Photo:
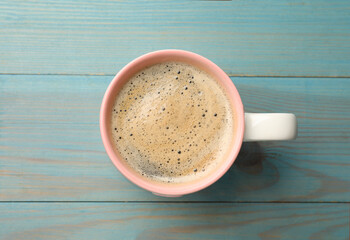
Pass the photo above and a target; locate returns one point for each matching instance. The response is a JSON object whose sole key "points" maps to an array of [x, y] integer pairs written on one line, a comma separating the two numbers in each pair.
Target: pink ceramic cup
{"points": [[258, 123]]}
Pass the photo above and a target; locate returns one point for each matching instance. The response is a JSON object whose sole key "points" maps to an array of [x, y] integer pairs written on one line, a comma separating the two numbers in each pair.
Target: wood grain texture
{"points": [[50, 146], [173, 221], [264, 38]]}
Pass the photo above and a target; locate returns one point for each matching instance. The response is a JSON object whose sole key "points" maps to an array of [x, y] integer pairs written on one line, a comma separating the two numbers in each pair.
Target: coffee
{"points": [[172, 123]]}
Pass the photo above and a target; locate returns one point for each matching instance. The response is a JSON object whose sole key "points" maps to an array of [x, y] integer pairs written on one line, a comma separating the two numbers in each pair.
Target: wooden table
{"points": [[57, 59]]}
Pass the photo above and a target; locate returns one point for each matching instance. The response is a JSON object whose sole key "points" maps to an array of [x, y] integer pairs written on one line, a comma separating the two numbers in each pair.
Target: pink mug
{"points": [[250, 126]]}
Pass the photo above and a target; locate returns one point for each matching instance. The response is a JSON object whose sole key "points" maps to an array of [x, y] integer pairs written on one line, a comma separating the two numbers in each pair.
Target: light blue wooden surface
{"points": [[173, 221], [56, 180], [279, 38], [51, 147]]}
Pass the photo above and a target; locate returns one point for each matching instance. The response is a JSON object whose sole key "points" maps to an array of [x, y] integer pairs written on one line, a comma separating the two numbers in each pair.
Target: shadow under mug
{"points": [[249, 126]]}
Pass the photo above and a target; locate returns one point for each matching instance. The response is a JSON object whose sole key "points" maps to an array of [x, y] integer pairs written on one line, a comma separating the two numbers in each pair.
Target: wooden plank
{"points": [[173, 221], [50, 146], [260, 38]]}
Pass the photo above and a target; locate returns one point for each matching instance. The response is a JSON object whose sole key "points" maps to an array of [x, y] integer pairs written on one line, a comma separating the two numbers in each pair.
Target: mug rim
{"points": [[187, 188]]}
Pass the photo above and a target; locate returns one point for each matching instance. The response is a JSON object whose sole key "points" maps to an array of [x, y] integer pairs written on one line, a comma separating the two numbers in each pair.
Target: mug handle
{"points": [[270, 127]]}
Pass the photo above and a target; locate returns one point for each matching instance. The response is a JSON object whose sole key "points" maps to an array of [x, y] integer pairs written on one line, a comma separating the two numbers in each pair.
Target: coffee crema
{"points": [[172, 123]]}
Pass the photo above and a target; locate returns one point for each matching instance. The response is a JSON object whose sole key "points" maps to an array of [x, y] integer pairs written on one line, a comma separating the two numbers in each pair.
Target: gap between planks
{"points": [[112, 75], [181, 202]]}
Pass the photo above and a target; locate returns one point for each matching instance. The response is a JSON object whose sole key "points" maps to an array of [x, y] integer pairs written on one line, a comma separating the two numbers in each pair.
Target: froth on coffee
{"points": [[172, 123]]}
